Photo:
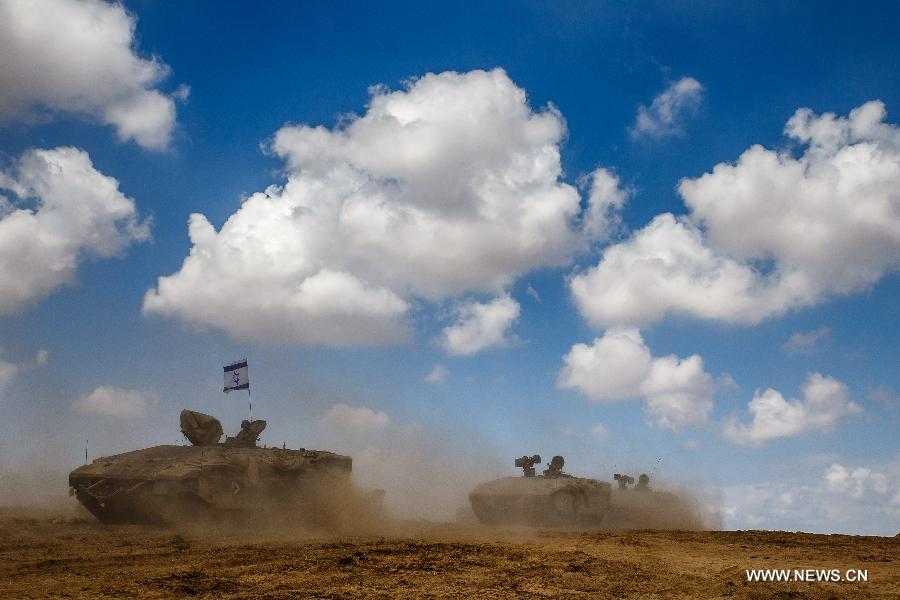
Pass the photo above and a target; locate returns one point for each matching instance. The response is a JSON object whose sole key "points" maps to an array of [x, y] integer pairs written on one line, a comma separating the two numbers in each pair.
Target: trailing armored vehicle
{"points": [[554, 498], [232, 479], [557, 499]]}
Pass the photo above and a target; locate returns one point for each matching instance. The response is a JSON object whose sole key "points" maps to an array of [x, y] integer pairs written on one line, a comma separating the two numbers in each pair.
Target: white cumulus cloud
{"points": [[355, 418], [253, 297], [448, 186], [66, 212], [861, 500], [619, 366], [856, 483], [825, 403], [9, 371], [116, 402], [79, 56], [668, 267], [480, 326], [766, 234], [437, 375], [666, 114], [606, 198]]}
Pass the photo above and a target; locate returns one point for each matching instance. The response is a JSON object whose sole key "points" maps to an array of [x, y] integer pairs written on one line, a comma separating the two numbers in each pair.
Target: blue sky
{"points": [[205, 105]]}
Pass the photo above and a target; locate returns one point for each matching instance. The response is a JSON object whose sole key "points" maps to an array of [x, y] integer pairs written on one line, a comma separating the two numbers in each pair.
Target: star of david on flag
{"points": [[237, 377]]}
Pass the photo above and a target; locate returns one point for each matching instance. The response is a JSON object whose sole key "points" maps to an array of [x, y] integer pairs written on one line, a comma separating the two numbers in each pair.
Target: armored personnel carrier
{"points": [[232, 479], [552, 499]]}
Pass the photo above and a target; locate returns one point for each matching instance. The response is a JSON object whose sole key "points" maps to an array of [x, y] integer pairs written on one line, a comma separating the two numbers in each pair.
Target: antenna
{"points": [[85, 451], [249, 398]]}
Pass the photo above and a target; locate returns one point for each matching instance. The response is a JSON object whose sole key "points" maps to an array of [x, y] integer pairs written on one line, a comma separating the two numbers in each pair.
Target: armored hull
{"points": [[165, 483], [543, 501], [235, 479], [554, 499]]}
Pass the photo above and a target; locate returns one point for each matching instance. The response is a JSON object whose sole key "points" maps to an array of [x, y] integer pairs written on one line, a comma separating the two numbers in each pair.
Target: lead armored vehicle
{"points": [[553, 499], [231, 479]]}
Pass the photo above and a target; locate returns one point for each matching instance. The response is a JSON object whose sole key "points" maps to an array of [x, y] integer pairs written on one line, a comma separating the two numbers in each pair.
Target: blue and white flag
{"points": [[237, 377]]}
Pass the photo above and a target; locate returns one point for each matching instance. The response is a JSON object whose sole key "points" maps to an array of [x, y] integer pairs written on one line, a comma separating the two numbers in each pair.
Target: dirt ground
{"points": [[44, 556]]}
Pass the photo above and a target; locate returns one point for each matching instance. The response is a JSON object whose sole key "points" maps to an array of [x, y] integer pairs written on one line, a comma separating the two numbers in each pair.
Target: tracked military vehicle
{"points": [[552, 499], [232, 479], [557, 499]]}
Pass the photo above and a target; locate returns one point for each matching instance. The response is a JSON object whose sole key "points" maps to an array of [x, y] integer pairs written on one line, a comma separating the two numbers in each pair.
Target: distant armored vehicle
{"points": [[552, 499], [557, 499], [235, 478]]}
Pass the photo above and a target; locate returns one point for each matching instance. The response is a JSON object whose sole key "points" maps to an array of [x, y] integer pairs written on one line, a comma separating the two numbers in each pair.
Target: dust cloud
{"points": [[428, 477], [425, 476], [41, 492], [405, 479], [666, 507], [392, 493]]}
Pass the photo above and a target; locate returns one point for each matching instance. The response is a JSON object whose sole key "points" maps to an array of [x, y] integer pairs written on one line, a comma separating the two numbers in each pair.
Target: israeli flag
{"points": [[236, 376]]}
